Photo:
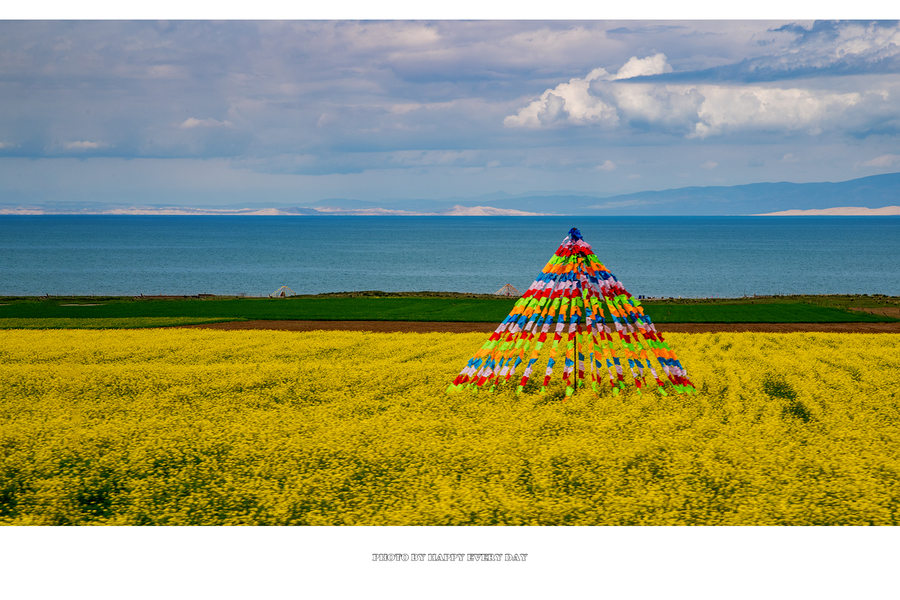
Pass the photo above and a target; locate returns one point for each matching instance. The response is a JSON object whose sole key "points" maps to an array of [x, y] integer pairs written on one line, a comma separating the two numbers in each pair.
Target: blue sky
{"points": [[207, 112]]}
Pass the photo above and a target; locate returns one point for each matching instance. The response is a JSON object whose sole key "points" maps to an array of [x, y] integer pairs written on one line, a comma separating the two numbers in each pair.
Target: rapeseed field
{"points": [[199, 427]]}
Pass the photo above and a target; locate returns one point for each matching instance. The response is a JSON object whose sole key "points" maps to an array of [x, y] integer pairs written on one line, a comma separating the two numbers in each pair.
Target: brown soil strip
{"points": [[423, 327]]}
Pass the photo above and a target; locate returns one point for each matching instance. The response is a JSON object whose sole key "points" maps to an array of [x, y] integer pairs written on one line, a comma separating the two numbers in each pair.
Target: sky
{"points": [[242, 111]]}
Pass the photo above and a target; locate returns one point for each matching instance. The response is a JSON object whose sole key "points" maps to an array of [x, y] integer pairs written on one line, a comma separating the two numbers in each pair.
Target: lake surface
{"points": [[653, 256]]}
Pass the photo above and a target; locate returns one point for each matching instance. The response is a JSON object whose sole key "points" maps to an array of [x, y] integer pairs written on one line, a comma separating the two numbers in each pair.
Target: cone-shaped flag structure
{"points": [[507, 290], [566, 302]]}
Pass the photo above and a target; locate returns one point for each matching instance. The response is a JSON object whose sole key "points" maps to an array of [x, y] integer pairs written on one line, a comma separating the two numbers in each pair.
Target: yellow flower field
{"points": [[194, 427]]}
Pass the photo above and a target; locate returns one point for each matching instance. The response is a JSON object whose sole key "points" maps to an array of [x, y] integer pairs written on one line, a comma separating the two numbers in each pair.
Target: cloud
{"points": [[6, 145], [573, 101], [570, 102], [885, 160], [650, 95], [647, 106], [402, 109], [83, 145], [709, 165], [415, 158], [848, 47], [552, 101], [191, 123], [825, 48], [692, 111], [789, 158], [754, 107], [167, 72], [642, 67], [646, 29], [326, 119]]}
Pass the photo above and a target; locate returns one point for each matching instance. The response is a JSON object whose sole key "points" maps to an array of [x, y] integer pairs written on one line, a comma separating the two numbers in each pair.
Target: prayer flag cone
{"points": [[580, 303]]}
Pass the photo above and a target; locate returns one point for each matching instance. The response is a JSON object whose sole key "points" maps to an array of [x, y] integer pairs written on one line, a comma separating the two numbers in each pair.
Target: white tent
{"points": [[282, 292], [508, 290]]}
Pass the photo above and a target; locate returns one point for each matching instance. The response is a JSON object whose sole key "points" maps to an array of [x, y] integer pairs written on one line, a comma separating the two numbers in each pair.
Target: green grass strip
{"points": [[102, 323], [364, 309], [757, 313], [135, 313]]}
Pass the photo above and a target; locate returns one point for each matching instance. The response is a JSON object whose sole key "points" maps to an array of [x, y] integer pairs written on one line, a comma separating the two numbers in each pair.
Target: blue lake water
{"points": [[653, 256]]}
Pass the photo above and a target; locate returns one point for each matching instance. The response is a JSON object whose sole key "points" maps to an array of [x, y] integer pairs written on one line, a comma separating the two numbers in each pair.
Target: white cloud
{"points": [[885, 160], [709, 165], [789, 158], [753, 107], [854, 45], [573, 102], [402, 109], [606, 166], [6, 145], [637, 67], [856, 38], [83, 145], [191, 123], [693, 111], [673, 108], [388, 35], [168, 72], [326, 119], [433, 157], [570, 101]]}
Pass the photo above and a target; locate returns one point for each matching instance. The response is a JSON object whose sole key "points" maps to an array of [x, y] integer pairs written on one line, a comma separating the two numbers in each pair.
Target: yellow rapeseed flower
{"points": [[187, 427]]}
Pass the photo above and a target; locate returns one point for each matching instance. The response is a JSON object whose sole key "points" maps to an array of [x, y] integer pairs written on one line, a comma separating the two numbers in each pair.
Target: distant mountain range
{"points": [[878, 194]]}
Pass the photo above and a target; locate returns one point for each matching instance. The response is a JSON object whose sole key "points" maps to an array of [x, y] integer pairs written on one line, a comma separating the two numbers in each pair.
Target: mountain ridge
{"points": [[874, 192]]}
